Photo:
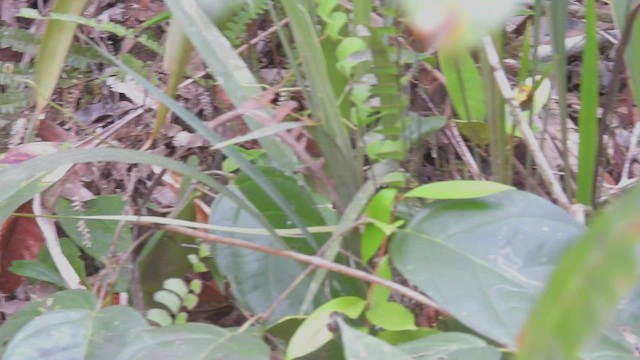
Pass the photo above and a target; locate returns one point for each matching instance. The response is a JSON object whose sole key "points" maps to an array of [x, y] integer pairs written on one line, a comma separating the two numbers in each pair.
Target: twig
{"points": [[313, 260], [529, 138]]}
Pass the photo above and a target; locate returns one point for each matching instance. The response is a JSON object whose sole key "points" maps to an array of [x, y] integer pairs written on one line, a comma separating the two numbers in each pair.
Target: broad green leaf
{"points": [[457, 189], [68, 299], [258, 279], [359, 345], [77, 334], [299, 199], [391, 316], [194, 341], [95, 236], [313, 333], [450, 346], [486, 260], [589, 281]]}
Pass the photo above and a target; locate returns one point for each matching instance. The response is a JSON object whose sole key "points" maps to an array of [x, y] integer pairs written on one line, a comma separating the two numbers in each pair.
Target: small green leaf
{"points": [[181, 318], [190, 301], [457, 189], [313, 333], [176, 285], [168, 299], [160, 317], [195, 286], [379, 208], [391, 316]]}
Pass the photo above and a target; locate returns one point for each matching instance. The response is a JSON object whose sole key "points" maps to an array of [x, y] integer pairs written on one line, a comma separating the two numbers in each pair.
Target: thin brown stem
{"points": [[313, 260]]}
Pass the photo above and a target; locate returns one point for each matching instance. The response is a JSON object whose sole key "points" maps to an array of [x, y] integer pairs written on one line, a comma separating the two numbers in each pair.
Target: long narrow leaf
{"points": [[25, 172], [55, 46], [589, 126], [228, 67], [214, 138]]}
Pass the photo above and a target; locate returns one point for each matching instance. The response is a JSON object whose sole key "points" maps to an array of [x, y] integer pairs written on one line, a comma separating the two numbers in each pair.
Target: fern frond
{"points": [[235, 28]]}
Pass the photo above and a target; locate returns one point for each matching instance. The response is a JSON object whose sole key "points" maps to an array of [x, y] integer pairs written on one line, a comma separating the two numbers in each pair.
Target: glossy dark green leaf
{"points": [[195, 342], [485, 261]]}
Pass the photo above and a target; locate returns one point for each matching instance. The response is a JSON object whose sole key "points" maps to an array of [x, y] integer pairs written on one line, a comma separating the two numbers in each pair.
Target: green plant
{"points": [[329, 268]]}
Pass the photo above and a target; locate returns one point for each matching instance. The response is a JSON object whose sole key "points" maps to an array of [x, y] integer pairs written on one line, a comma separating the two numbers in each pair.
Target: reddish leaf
{"points": [[20, 239]]}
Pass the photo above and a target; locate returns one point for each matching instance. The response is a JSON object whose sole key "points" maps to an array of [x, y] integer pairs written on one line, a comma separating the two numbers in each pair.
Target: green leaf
{"points": [[485, 260], [379, 208], [160, 316], [165, 256], [457, 189], [450, 346], [227, 66], [168, 299], [589, 281], [403, 336], [177, 286], [69, 299], [391, 316], [379, 294], [464, 84], [194, 341], [44, 269], [77, 334], [286, 327], [359, 345], [95, 236], [313, 333], [55, 47], [258, 279], [588, 121]]}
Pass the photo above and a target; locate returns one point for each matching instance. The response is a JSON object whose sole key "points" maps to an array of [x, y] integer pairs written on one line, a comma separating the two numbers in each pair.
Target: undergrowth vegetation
{"points": [[322, 179]]}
